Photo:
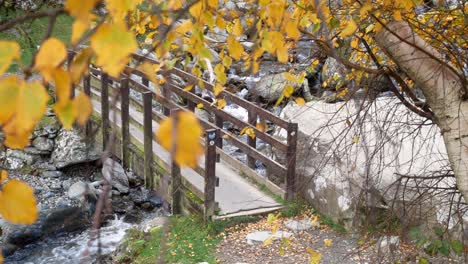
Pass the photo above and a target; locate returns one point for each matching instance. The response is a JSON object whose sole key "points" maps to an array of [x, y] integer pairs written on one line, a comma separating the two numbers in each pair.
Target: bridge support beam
{"points": [[105, 110], [148, 138], [291, 185], [125, 117], [210, 173], [252, 119], [176, 177]]}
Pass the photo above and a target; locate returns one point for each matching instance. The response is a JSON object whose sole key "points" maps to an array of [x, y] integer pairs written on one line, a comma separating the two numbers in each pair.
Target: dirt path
{"points": [[344, 248]]}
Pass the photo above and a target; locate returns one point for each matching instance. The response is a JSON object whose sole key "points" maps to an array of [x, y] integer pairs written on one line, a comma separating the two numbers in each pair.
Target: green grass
{"points": [[189, 240], [30, 34]]}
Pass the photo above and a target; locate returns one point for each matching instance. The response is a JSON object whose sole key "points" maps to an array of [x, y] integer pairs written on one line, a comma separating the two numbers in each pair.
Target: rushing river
{"points": [[76, 248]]}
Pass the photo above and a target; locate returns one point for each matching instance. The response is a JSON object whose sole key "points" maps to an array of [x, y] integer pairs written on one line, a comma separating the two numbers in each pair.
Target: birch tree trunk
{"points": [[441, 87]]}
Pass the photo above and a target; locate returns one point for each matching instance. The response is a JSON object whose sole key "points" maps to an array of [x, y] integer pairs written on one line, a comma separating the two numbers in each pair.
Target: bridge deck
{"points": [[234, 195]]}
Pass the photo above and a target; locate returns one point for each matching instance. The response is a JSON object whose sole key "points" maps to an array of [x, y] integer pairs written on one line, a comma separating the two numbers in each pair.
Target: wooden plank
{"points": [[148, 138], [210, 173], [176, 177], [105, 109], [291, 184], [125, 116], [252, 142]]}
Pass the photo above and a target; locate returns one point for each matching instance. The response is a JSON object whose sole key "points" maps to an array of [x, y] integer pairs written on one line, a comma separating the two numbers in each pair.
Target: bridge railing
{"points": [[121, 88]]}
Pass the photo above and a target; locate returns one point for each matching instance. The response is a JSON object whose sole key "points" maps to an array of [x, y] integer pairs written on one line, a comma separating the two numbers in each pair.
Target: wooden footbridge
{"points": [[220, 186]]}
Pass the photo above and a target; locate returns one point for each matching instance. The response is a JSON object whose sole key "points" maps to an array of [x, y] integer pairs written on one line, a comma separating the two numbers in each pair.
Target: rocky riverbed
{"points": [[68, 177]]}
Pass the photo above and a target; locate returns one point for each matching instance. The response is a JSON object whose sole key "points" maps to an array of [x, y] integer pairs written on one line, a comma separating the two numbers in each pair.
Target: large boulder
{"points": [[70, 149], [115, 174], [271, 87], [352, 166]]}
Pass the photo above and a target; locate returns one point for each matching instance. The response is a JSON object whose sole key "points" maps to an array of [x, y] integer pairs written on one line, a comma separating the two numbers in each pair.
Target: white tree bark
{"points": [[441, 87]]}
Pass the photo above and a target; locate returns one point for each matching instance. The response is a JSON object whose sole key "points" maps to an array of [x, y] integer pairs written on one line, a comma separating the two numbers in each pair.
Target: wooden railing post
{"points": [[176, 177], [291, 162], [105, 109], [252, 119], [87, 91], [125, 116], [148, 138], [166, 93], [70, 57], [210, 173]]}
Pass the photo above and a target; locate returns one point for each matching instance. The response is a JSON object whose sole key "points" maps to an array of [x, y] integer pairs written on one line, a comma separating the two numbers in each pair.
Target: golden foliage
{"points": [[17, 202], [188, 132], [9, 51]]}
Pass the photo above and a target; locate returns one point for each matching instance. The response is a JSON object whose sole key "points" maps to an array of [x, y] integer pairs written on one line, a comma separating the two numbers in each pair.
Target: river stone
{"points": [[52, 174], [155, 223], [115, 174], [71, 149], [271, 87], [16, 159], [261, 236], [79, 190], [299, 225], [44, 144]]}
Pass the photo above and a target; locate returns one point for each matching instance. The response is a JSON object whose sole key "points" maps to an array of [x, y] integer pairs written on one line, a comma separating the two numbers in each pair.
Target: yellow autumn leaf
{"points": [[288, 91], [300, 101], [292, 31], [365, 9], [184, 27], [17, 203], [188, 87], [268, 241], [327, 242], [3, 175], [66, 114], [80, 63], [31, 103], [234, 47], [120, 8], [314, 256], [1, 257], [200, 106], [261, 126], [83, 108], [9, 91], [221, 103], [148, 69], [220, 74], [213, 3], [9, 51], [355, 139], [63, 87], [80, 9], [355, 43], [79, 27], [50, 55], [349, 28], [248, 131], [397, 15], [282, 54], [113, 44], [218, 88], [237, 28], [189, 131], [197, 9]]}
